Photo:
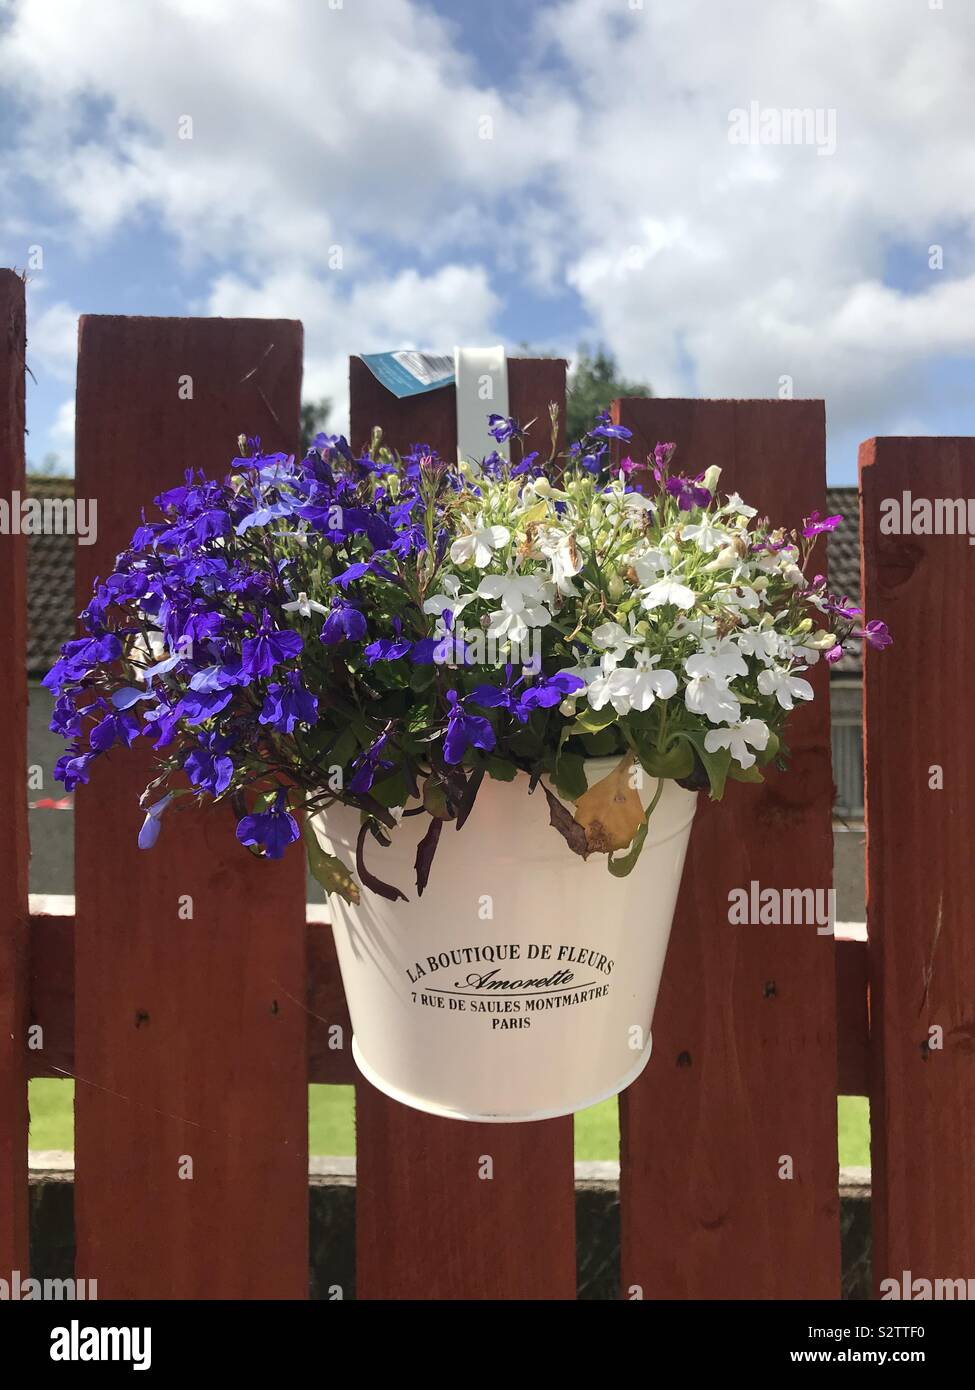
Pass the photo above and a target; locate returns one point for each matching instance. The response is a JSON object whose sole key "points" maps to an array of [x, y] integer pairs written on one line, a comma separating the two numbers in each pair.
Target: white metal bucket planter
{"points": [[522, 984]]}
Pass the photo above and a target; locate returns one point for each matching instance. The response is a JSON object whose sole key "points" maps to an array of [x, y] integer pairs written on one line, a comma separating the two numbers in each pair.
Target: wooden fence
{"points": [[196, 1038]]}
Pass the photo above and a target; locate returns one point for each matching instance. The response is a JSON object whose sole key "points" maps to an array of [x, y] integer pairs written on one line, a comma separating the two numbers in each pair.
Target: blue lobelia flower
{"points": [[206, 527], [502, 428], [527, 465], [209, 767], [285, 506], [66, 719], [388, 648], [272, 830], [521, 703], [162, 722], [197, 706], [149, 833], [605, 429], [333, 442], [72, 767], [130, 695], [79, 656], [260, 654], [354, 572], [551, 691], [465, 731], [507, 696], [344, 623], [288, 704], [367, 765], [117, 726]]}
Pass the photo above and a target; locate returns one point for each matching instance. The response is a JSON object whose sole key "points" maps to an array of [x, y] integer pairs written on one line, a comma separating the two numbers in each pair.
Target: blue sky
{"points": [[545, 173]]}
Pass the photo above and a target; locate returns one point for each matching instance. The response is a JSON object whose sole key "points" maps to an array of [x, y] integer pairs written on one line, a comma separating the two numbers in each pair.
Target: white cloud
{"points": [[311, 125], [710, 268], [52, 340], [62, 430], [714, 268]]}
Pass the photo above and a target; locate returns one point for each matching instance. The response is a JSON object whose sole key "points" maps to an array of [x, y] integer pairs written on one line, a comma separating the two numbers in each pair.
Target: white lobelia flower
{"points": [[305, 606], [761, 642], [644, 685], [449, 599], [613, 637], [707, 691], [522, 606], [701, 627], [767, 562], [610, 686], [787, 686], [734, 506], [560, 549], [710, 696], [587, 674], [630, 507], [718, 657], [738, 596], [668, 591], [479, 544], [727, 558], [650, 565], [737, 738], [638, 504], [705, 534], [785, 562]]}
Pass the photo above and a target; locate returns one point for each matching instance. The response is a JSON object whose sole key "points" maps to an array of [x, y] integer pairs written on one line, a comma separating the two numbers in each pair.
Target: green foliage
{"points": [[620, 865], [330, 872], [570, 775], [314, 419], [594, 383], [716, 764]]}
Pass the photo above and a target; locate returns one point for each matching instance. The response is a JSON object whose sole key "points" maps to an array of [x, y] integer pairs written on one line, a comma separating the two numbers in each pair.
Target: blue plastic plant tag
{"points": [[408, 372]]}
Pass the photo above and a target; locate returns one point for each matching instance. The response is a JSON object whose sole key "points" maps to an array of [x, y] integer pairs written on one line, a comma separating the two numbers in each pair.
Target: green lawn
{"points": [[854, 1129], [331, 1128]]}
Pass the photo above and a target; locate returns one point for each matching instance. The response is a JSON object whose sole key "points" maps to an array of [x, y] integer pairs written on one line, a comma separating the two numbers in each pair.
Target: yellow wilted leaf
{"points": [[611, 812]]}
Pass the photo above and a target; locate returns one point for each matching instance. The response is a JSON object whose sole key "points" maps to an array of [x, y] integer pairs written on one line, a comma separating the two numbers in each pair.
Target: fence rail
{"points": [[194, 1039]]}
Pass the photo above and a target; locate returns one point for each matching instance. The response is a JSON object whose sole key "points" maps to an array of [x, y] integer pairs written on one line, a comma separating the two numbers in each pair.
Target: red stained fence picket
{"points": [[507, 1231], [13, 798], [192, 1001], [728, 1184], [920, 799], [190, 1021]]}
